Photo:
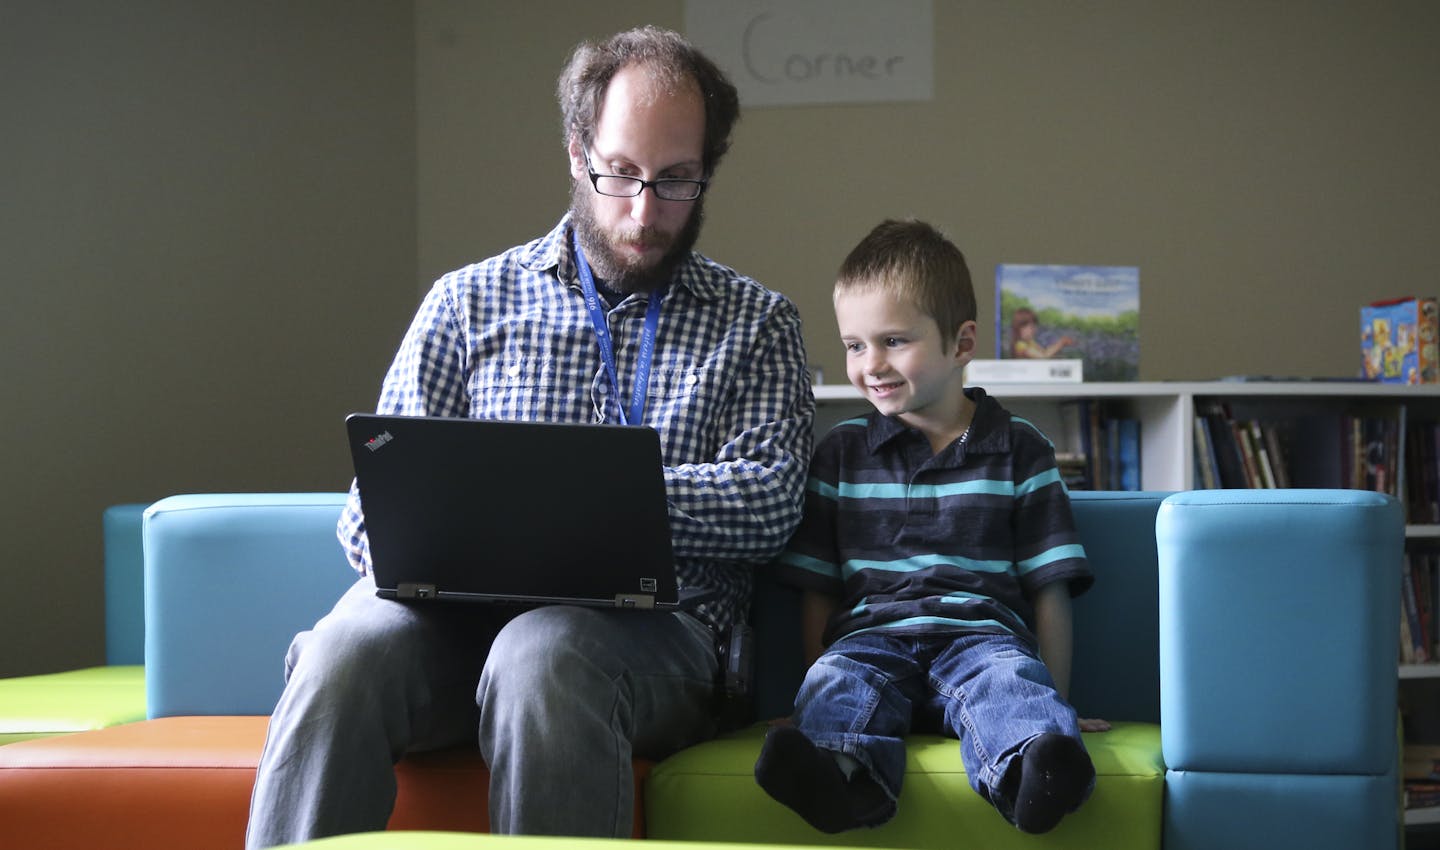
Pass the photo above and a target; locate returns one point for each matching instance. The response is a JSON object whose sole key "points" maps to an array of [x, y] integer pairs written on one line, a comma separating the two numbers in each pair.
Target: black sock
{"points": [[808, 780], [1054, 775]]}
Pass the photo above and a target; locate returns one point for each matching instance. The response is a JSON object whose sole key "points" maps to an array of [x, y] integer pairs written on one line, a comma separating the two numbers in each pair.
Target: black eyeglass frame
{"points": [[657, 185]]}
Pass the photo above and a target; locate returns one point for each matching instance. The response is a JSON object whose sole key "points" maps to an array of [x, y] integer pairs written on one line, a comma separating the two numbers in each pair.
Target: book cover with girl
{"points": [[1087, 312]]}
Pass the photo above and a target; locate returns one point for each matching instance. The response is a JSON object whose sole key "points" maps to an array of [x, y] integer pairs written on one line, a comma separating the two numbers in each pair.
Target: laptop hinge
{"points": [[412, 590], [634, 600]]}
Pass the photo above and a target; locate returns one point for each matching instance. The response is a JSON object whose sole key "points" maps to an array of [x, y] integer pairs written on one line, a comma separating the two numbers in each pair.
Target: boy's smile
{"points": [[896, 356]]}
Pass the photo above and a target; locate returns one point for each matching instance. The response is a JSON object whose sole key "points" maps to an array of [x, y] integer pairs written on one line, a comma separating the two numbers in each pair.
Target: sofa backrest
{"points": [[1116, 668], [124, 585]]}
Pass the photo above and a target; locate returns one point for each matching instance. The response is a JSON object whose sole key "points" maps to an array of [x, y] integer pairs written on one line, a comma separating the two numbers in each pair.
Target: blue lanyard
{"points": [[607, 349]]}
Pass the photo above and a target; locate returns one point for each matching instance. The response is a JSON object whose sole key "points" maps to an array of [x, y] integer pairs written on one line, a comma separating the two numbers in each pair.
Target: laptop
{"points": [[490, 510]]}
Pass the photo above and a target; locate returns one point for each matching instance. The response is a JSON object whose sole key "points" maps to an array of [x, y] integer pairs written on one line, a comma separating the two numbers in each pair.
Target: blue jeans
{"points": [[991, 691], [559, 698]]}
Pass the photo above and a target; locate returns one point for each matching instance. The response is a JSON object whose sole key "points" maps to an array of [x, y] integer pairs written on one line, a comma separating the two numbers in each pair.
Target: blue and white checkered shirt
{"points": [[509, 338]]}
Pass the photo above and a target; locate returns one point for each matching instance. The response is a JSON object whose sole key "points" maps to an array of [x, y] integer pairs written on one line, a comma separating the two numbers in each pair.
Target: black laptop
{"points": [[518, 512]]}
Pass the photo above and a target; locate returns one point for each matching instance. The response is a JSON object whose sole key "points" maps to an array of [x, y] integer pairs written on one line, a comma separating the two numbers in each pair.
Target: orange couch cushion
{"points": [[186, 781]]}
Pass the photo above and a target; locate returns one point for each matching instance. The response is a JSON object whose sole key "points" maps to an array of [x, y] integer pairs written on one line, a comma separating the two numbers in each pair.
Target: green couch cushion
{"points": [[73, 701], [708, 793]]}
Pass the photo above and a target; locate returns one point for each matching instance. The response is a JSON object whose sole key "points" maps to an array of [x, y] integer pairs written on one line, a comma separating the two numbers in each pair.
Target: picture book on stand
{"points": [[1087, 312]]}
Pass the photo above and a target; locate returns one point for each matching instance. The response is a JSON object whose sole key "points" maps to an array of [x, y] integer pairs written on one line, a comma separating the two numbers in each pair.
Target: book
{"points": [[1263, 465], [1206, 468], [1421, 762], [1027, 371], [1276, 455], [1102, 446], [1090, 313], [1421, 795], [1412, 626], [1127, 456], [1400, 341], [1221, 428]]}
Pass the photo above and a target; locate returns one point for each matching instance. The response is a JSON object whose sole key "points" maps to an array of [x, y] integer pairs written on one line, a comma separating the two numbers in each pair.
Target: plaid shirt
{"points": [[509, 338]]}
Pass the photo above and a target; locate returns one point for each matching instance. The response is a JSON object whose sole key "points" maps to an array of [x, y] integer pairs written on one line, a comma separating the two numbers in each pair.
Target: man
{"points": [[563, 697]]}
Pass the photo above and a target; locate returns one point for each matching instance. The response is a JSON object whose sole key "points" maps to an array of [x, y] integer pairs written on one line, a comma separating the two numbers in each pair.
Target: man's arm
{"points": [[745, 503], [425, 379]]}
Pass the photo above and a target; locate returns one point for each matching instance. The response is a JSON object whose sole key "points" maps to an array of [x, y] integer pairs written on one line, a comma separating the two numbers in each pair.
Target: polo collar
{"points": [[989, 427]]}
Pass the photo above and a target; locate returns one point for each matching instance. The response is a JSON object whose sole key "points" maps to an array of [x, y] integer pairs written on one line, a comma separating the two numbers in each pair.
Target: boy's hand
{"points": [[1094, 724]]}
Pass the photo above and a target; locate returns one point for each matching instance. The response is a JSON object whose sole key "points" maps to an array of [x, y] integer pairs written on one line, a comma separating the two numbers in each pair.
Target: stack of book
{"points": [[1373, 448], [1105, 444], [1417, 606], [1237, 453], [1422, 460], [1421, 770]]}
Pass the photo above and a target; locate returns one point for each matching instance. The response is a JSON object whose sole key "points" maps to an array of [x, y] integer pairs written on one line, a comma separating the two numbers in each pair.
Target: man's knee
{"points": [[552, 646]]}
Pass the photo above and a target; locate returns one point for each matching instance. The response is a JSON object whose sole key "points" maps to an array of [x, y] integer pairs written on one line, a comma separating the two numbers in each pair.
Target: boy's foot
{"points": [[808, 780], [1055, 775]]}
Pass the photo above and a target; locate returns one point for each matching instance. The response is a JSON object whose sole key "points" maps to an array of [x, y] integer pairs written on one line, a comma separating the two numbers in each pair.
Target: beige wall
{"points": [[207, 255], [1269, 166], [217, 217]]}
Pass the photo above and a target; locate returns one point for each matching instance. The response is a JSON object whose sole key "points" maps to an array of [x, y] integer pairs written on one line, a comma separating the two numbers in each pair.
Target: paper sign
{"points": [[781, 52]]}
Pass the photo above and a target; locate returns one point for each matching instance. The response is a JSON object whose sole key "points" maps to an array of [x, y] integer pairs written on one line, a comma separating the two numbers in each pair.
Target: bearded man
{"points": [[611, 317]]}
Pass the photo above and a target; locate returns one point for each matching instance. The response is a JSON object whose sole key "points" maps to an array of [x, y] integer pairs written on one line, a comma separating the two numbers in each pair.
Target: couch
{"points": [[1270, 618]]}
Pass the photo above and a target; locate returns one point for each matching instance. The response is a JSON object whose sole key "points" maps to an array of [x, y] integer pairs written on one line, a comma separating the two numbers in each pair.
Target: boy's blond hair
{"points": [[915, 262]]}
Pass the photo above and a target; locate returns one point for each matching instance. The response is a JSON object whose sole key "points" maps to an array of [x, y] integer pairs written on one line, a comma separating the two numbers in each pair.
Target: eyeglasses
{"points": [[666, 188]]}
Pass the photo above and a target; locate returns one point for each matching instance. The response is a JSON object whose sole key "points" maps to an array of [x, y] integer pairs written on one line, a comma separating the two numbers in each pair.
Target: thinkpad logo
{"points": [[375, 442]]}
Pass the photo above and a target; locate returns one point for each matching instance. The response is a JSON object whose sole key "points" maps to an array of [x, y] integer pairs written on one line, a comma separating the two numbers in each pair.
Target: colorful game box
{"points": [[1400, 341]]}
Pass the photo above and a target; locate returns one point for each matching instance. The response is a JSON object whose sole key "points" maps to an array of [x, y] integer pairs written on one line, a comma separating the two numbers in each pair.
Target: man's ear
{"points": [[577, 158]]}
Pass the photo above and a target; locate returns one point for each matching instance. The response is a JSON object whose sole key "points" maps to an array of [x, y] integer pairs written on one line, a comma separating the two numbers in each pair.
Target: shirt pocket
{"points": [[680, 383], [512, 385], [685, 405]]}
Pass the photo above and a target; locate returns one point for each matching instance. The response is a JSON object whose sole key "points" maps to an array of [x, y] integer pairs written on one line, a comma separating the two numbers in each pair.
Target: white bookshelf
{"points": [[1422, 817], [1166, 410]]}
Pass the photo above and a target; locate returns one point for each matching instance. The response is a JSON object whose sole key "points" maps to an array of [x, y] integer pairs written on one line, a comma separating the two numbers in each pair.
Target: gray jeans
{"points": [[561, 698]]}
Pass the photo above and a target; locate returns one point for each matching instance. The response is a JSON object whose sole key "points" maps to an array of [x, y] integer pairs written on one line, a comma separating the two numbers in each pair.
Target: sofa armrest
{"points": [[229, 581], [1279, 622]]}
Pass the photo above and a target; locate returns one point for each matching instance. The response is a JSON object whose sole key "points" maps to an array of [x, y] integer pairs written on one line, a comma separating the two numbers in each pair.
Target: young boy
{"points": [[938, 556]]}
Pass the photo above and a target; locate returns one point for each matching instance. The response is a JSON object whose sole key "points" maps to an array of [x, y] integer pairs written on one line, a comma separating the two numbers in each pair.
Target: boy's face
{"points": [[895, 356]]}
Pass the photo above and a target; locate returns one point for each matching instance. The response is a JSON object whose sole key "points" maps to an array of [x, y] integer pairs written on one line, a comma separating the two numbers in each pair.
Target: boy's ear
{"points": [[965, 342]]}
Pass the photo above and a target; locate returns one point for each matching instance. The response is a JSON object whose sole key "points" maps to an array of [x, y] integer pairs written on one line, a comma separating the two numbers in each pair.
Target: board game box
{"points": [[1400, 341]]}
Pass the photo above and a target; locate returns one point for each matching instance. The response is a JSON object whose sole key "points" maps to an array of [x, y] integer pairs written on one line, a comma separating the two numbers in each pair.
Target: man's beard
{"points": [[617, 273]]}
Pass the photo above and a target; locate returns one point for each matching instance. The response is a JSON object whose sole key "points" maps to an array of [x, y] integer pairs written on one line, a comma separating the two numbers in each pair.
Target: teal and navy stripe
{"points": [[920, 543]]}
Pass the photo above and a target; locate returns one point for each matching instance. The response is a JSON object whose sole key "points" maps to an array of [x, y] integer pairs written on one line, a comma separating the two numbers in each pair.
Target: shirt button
{"points": [[513, 370], [692, 379]]}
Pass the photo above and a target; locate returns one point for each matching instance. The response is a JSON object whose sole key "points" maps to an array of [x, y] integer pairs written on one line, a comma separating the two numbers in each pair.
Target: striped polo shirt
{"points": [[919, 543]]}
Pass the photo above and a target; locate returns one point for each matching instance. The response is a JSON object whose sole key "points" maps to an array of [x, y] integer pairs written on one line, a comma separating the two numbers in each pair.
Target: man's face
{"points": [[634, 244]]}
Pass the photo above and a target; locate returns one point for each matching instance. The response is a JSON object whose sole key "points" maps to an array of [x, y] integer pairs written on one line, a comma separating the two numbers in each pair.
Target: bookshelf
{"points": [[1167, 415]]}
